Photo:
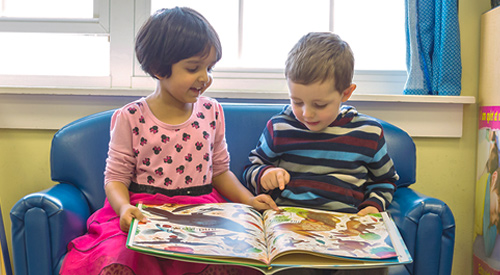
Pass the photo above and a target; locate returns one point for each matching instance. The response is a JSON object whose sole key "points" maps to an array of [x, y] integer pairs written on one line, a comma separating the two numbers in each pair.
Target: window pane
{"points": [[224, 21], [271, 28], [54, 54], [47, 8], [374, 29], [375, 32]]}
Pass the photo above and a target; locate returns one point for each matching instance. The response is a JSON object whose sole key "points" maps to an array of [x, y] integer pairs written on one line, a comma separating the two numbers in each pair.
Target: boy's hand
{"points": [[263, 202], [368, 210], [274, 178], [127, 213]]}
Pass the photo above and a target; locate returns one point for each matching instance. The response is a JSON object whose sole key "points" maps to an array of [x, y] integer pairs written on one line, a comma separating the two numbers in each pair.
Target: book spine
{"points": [[396, 239]]}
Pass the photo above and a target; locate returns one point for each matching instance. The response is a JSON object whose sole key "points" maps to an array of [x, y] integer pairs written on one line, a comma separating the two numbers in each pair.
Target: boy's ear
{"points": [[346, 94]]}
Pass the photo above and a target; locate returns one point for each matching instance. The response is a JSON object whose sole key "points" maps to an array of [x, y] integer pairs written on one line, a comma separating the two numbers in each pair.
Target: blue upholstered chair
{"points": [[44, 222]]}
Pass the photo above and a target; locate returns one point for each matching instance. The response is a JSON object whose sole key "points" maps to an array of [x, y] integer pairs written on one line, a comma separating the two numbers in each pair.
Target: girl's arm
{"points": [[230, 187], [119, 199]]}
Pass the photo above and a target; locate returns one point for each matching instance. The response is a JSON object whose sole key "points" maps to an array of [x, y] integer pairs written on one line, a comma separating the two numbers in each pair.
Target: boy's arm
{"points": [[261, 159], [379, 190], [252, 175]]}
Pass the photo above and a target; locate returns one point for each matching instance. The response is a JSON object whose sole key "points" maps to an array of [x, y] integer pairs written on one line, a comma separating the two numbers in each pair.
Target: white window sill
{"points": [[52, 108]]}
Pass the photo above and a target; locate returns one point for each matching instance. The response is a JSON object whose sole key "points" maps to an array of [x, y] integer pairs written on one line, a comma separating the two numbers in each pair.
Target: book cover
{"points": [[232, 233]]}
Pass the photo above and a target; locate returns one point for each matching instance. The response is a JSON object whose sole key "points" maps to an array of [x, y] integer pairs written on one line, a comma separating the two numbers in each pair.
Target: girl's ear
{"points": [[346, 94]]}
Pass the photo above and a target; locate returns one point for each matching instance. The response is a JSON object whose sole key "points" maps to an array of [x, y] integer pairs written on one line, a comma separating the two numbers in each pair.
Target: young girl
{"points": [[167, 147]]}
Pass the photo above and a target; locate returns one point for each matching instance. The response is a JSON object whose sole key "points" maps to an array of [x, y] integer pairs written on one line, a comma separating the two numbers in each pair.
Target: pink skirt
{"points": [[104, 245]]}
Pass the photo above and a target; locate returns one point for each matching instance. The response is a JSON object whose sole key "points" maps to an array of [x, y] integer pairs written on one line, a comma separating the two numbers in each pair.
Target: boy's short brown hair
{"points": [[320, 56]]}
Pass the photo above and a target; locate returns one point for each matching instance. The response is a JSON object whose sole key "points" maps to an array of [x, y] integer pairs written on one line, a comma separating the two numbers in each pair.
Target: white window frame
{"points": [[125, 71], [267, 83], [50, 102], [98, 24]]}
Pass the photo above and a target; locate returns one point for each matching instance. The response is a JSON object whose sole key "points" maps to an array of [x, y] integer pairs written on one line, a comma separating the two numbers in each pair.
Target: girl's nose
{"points": [[204, 77]]}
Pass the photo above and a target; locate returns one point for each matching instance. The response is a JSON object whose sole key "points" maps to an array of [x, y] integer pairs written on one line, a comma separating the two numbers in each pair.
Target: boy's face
{"points": [[317, 105]]}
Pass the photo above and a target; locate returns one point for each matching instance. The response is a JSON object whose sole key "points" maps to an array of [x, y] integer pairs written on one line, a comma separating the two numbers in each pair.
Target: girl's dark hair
{"points": [[171, 35]]}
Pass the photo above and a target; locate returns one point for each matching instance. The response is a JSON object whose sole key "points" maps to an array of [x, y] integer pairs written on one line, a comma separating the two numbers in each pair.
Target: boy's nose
{"points": [[307, 112]]}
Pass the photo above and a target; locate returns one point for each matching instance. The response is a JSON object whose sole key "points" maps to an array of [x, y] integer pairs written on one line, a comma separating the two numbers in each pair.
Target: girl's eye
{"points": [[297, 103], [192, 70]]}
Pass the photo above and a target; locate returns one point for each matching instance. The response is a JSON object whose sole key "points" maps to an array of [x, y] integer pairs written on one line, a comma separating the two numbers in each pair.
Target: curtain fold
{"points": [[433, 58]]}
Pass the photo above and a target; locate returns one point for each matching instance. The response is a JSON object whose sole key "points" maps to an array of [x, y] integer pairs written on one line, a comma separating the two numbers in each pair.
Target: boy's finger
{"points": [[281, 180]]}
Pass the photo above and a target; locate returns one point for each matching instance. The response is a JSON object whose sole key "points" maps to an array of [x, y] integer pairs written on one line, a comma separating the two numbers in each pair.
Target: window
{"points": [[46, 9], [89, 43], [259, 33], [55, 38]]}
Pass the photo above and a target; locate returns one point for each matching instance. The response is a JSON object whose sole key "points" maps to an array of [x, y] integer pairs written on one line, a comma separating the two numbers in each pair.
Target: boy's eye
{"points": [[192, 70], [297, 103], [320, 106]]}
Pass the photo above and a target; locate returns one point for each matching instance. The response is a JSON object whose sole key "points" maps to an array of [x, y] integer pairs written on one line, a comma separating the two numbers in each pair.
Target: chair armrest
{"points": [[427, 226], [43, 224]]}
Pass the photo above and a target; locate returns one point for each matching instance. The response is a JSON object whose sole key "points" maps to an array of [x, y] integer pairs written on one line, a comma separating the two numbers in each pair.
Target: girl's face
{"points": [[317, 105], [189, 79]]}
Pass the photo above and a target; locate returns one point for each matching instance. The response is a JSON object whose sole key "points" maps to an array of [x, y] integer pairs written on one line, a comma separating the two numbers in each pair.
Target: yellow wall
{"points": [[445, 167], [24, 168]]}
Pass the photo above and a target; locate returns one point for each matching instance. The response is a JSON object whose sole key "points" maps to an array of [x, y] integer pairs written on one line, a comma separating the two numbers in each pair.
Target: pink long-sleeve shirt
{"points": [[148, 155]]}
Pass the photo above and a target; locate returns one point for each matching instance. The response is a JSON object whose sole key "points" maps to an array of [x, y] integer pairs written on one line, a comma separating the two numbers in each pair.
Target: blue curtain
{"points": [[433, 59]]}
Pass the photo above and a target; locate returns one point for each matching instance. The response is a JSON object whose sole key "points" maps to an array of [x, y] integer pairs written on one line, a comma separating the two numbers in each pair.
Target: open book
{"points": [[232, 233]]}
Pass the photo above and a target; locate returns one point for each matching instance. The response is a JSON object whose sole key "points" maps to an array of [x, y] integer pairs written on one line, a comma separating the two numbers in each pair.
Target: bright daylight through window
{"points": [[59, 38], [259, 33]]}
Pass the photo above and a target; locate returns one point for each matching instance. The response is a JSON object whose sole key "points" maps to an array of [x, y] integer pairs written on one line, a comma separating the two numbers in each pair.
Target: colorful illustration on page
{"points": [[203, 230], [339, 234]]}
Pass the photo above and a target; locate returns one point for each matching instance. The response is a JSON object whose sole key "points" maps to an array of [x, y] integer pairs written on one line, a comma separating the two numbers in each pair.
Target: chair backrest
{"points": [[79, 149], [78, 156], [245, 122]]}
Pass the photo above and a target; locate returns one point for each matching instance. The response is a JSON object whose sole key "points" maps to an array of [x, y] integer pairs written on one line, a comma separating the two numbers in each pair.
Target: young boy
{"points": [[317, 153]]}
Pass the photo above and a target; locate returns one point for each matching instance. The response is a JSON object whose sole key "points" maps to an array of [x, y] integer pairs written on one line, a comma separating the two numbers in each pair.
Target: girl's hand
{"points": [[368, 210], [127, 213], [263, 202], [274, 178]]}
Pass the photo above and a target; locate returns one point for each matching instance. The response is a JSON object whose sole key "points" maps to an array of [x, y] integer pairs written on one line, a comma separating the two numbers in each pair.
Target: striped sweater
{"points": [[344, 167]]}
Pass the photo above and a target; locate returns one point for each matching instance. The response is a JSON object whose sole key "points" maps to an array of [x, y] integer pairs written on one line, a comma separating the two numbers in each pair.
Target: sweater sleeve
{"points": [[120, 163], [262, 158], [220, 159], [380, 187]]}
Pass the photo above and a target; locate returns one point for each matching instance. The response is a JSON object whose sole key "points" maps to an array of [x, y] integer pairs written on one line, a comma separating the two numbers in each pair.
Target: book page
{"points": [[219, 229], [342, 235]]}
